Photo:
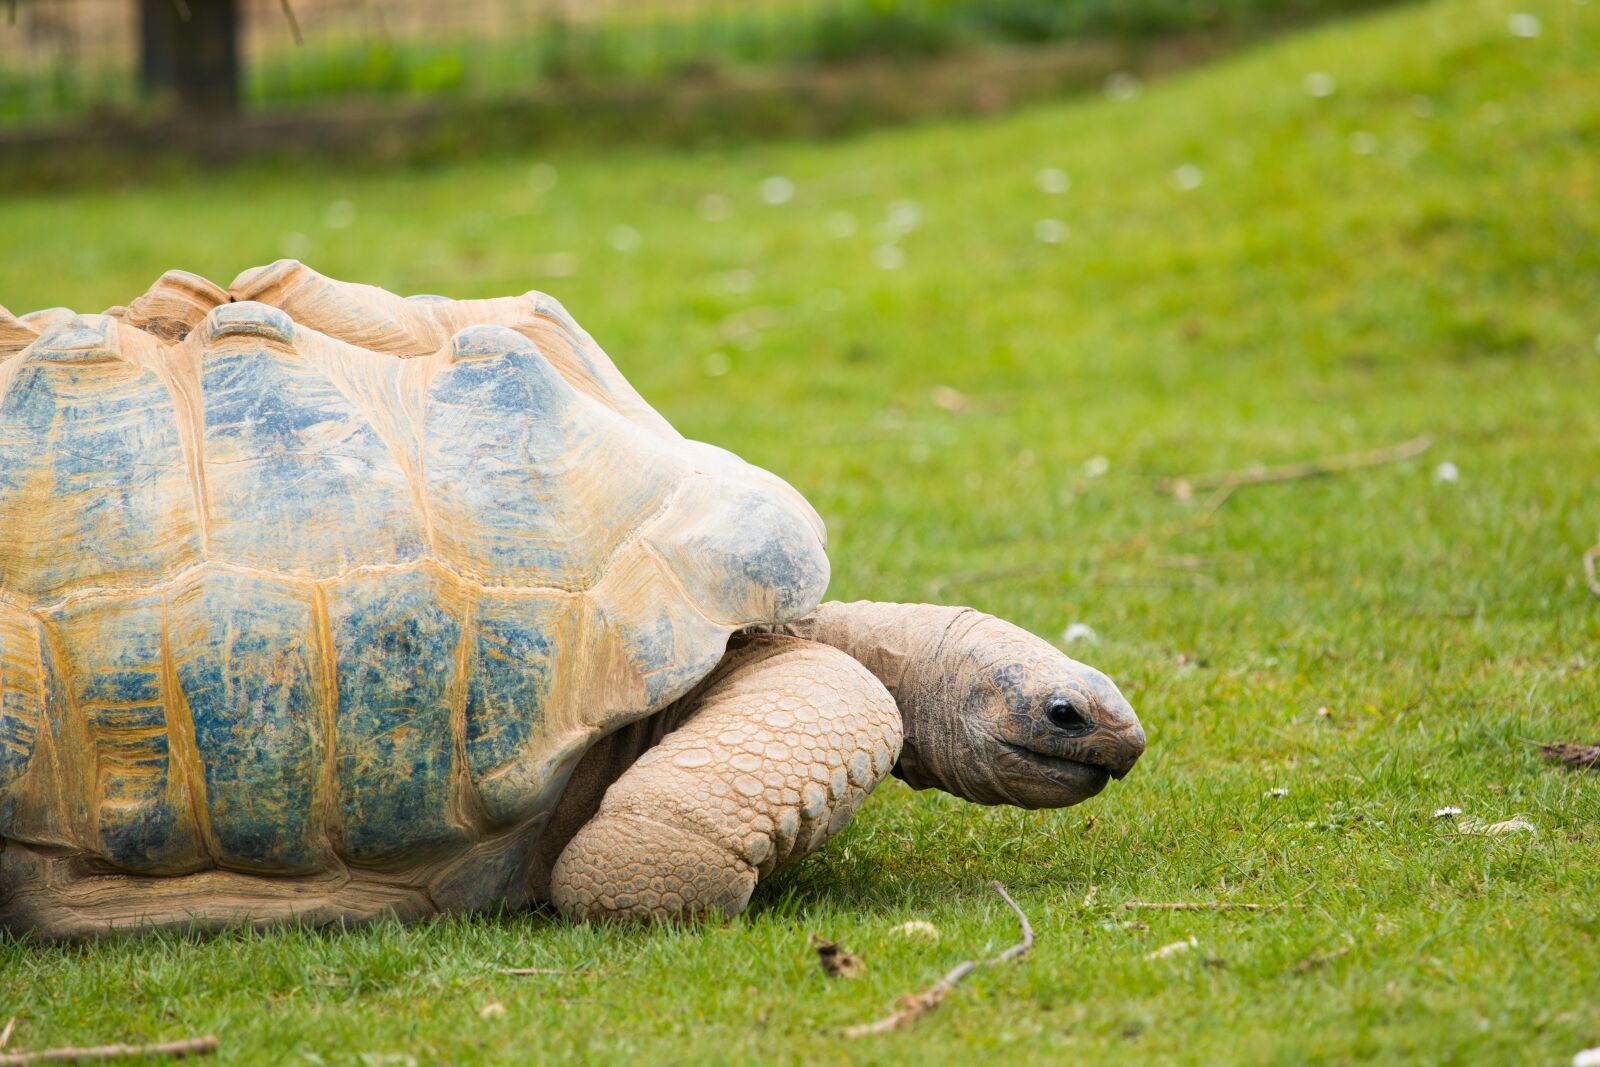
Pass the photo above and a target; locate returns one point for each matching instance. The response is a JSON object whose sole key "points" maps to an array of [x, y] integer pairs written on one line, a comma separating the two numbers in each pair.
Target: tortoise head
{"points": [[996, 715], [990, 712]]}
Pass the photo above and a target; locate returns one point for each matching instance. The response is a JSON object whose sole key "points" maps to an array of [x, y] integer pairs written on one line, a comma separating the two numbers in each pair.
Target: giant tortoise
{"points": [[319, 603]]}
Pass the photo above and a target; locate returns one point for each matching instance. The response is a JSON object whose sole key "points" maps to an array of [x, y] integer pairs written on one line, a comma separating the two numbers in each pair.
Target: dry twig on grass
{"points": [[525, 971], [914, 1006], [1224, 483], [1198, 905], [5, 1035], [1211, 905], [194, 1046]]}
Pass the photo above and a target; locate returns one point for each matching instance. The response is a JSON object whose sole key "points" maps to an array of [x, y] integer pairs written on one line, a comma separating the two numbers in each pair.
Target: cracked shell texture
{"points": [[301, 574]]}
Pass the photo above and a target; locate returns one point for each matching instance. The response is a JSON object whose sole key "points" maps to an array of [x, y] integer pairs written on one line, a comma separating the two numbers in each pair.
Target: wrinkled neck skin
{"points": [[927, 656]]}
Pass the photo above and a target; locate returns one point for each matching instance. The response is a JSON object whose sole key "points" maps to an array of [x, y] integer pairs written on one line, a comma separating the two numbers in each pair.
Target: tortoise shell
{"points": [[304, 576]]}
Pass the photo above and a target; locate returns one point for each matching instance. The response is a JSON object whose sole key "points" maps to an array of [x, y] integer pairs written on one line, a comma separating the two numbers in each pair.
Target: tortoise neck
{"points": [[910, 649]]}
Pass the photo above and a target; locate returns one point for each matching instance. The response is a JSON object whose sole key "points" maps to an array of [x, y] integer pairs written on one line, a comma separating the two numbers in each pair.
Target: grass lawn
{"points": [[1246, 272]]}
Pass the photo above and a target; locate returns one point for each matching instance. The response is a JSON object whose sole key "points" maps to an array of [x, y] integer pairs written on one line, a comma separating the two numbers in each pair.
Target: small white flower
{"points": [[1174, 949], [738, 280], [714, 207], [716, 364], [1052, 180], [1079, 631], [841, 224], [1319, 83], [1523, 24], [777, 190], [1050, 231], [625, 238], [888, 257], [296, 245], [919, 929], [542, 177], [1589, 1057], [1277, 791], [1446, 472], [1123, 86], [948, 399], [340, 213], [1187, 177], [1096, 466], [1442, 813], [1363, 143], [904, 215]]}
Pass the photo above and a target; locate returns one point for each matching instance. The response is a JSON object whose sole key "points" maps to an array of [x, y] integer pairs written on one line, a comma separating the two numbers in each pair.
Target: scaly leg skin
{"points": [[786, 741]]}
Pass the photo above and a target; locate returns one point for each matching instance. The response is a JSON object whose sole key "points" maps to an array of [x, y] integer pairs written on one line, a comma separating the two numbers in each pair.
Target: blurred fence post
{"points": [[190, 49]]}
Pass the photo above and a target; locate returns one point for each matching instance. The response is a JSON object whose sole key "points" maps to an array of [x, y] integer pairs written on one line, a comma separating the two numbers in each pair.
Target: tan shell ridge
{"points": [[303, 574]]}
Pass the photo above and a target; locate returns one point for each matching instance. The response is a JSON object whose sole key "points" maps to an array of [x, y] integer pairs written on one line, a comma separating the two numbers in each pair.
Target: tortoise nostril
{"points": [[1067, 716]]}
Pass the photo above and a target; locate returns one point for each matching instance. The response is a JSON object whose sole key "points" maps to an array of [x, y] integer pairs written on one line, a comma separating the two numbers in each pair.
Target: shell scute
{"points": [[396, 639], [528, 484], [34, 800], [116, 667], [80, 339], [93, 487], [246, 655], [21, 701], [668, 649], [249, 319], [15, 335], [742, 550], [173, 306], [299, 478], [514, 659]]}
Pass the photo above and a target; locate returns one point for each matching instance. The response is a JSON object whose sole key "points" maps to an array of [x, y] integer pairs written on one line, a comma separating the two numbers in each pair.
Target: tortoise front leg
{"points": [[786, 741]]}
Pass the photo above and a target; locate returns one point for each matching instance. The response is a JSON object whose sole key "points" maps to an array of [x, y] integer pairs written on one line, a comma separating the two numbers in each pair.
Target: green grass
{"points": [[1306, 299]]}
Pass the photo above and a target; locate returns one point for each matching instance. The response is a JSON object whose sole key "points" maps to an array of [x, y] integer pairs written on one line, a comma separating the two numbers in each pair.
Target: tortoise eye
{"points": [[1067, 716]]}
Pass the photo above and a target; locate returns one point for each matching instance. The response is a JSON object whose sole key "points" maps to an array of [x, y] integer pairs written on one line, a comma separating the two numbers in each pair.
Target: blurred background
{"points": [[65, 60]]}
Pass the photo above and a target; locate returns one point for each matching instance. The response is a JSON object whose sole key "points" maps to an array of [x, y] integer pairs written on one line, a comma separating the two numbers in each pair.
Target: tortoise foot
{"points": [[787, 740]]}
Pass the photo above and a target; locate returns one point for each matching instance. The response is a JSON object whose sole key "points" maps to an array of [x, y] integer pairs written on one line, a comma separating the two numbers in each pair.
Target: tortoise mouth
{"points": [[1081, 780]]}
